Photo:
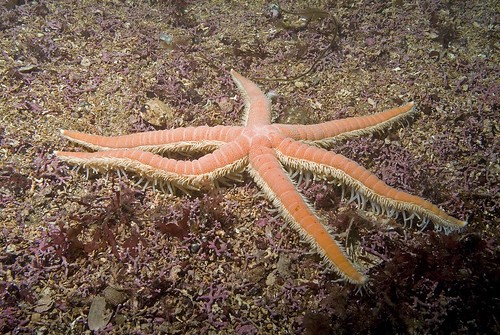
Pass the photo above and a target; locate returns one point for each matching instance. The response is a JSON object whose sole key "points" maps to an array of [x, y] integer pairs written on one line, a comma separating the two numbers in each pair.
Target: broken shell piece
{"points": [[45, 302], [113, 296], [170, 42], [157, 113], [99, 314]]}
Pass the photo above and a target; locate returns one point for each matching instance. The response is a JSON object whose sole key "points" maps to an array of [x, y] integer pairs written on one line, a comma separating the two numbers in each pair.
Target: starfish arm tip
{"points": [[236, 76], [59, 154]]}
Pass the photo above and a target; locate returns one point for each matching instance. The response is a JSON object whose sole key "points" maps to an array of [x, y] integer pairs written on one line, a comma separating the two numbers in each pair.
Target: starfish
{"points": [[264, 149]]}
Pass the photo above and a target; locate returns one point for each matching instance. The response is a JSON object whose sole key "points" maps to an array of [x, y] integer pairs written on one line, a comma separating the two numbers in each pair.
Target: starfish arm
{"points": [[276, 184], [330, 165], [230, 158], [325, 133], [191, 139], [257, 106]]}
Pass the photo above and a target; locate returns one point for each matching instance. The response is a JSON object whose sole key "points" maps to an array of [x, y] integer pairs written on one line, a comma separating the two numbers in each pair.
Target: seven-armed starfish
{"points": [[264, 148]]}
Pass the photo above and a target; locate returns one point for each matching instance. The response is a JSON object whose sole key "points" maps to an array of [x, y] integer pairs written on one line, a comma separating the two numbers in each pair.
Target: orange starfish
{"points": [[263, 149]]}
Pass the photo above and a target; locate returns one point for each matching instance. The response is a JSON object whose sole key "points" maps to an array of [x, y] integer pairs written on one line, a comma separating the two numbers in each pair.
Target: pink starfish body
{"points": [[263, 149]]}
